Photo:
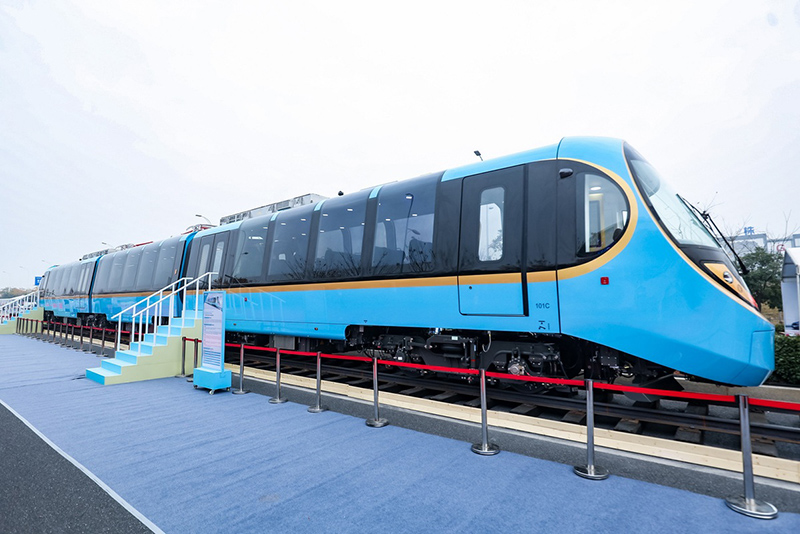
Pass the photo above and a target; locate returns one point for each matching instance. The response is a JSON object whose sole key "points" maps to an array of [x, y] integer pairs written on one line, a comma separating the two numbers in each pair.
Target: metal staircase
{"points": [[160, 320]]}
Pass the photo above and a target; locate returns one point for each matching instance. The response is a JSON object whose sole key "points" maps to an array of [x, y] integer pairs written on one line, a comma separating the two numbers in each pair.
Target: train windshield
{"points": [[678, 218]]}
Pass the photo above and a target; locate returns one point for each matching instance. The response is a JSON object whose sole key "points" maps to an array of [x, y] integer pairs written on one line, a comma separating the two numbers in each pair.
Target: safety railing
{"points": [[746, 504], [196, 283], [18, 306], [152, 306]]}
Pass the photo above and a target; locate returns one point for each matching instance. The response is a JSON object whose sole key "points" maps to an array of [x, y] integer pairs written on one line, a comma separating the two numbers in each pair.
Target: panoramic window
{"points": [[251, 247], [115, 278], [675, 215], [103, 272], [287, 261], [490, 239], [340, 236], [404, 227], [129, 271], [147, 266], [74, 277], [602, 213], [164, 269]]}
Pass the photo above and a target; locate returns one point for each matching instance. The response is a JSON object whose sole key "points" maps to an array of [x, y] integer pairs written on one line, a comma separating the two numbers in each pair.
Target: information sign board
{"points": [[212, 374]]}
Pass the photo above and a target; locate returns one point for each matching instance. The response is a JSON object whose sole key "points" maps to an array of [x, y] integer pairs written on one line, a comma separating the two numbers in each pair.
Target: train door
{"points": [[490, 264], [540, 235]]}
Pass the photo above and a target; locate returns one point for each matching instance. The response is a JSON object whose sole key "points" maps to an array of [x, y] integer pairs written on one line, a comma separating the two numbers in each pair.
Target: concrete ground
{"points": [[169, 457]]}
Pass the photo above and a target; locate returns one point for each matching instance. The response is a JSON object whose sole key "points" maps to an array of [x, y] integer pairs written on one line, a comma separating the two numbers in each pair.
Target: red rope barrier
{"points": [[526, 378], [429, 367], [781, 405], [666, 393]]}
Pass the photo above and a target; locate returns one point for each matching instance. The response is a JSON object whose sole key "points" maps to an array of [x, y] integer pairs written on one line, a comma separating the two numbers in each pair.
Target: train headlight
{"points": [[723, 273]]}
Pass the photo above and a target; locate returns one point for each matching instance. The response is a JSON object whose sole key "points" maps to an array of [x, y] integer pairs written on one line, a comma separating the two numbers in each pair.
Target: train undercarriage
{"points": [[514, 353]]}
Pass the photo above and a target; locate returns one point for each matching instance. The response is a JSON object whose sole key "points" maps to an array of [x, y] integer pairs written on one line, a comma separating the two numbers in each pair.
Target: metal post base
{"points": [[240, 391], [277, 400], [317, 409], [591, 472], [752, 507], [377, 423], [488, 450]]}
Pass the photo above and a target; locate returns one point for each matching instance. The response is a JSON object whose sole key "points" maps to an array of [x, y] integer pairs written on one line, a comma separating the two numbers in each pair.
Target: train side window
{"points": [[55, 288], [218, 257], [74, 277], [147, 266], [103, 272], [115, 278], [287, 260], [602, 214], [251, 246], [404, 221], [205, 252], [86, 277], [340, 237], [163, 273], [130, 269], [490, 241]]}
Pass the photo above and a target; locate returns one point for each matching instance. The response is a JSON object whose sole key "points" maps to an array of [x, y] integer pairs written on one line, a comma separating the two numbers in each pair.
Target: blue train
{"points": [[573, 258]]}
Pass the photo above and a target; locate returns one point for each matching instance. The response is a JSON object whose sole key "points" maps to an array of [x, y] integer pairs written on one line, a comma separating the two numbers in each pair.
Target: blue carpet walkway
{"points": [[192, 462]]}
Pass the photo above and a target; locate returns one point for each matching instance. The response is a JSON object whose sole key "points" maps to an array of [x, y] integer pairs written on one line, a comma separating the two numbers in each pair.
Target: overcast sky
{"points": [[119, 122]]}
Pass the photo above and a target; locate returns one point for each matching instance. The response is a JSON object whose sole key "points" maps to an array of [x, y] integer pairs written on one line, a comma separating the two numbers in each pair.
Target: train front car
{"points": [[646, 278]]}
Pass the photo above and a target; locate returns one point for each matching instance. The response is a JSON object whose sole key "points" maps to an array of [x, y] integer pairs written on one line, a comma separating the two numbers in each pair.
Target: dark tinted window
{"points": [[55, 287], [130, 269], [118, 265], [340, 236], [103, 272], [71, 286], [147, 266], [251, 246], [287, 260], [86, 278], [217, 263], [165, 271], [602, 214], [404, 227]]}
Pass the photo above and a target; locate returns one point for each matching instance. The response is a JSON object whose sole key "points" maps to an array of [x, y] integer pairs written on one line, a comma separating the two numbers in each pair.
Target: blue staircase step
{"points": [[165, 330], [155, 339], [141, 348], [115, 365], [99, 375]]}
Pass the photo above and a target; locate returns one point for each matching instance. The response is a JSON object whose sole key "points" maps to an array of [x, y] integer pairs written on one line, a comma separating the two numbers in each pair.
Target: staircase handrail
{"points": [[196, 283], [172, 291], [12, 308], [147, 298], [143, 316]]}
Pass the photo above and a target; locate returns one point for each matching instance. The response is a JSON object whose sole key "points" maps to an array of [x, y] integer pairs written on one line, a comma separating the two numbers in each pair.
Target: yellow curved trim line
{"points": [[616, 248], [439, 281], [684, 256]]}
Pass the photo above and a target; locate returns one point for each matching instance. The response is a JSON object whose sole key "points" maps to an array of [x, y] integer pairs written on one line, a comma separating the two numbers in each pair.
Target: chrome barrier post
{"points": [[590, 471], [183, 357], [191, 378], [91, 340], [277, 399], [376, 422], [241, 390], [317, 408], [81, 327], [103, 342], [747, 504], [484, 448]]}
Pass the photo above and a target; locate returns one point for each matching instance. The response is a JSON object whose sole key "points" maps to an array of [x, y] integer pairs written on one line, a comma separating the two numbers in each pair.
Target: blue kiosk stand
{"points": [[212, 374]]}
